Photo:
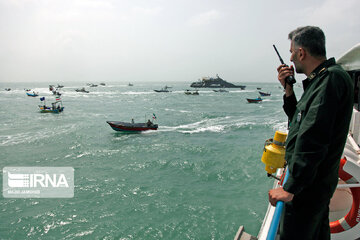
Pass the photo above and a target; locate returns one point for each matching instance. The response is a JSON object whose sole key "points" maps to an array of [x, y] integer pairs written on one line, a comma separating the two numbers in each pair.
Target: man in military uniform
{"points": [[319, 124]]}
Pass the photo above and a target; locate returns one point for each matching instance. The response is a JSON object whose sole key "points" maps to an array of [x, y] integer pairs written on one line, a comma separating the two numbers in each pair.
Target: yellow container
{"points": [[274, 152]]}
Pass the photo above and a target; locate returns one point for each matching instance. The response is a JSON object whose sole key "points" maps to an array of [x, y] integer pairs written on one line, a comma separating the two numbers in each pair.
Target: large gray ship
{"points": [[210, 82]]}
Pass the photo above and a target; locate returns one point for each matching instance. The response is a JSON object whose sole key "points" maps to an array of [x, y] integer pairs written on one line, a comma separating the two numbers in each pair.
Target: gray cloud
{"points": [[158, 40]]}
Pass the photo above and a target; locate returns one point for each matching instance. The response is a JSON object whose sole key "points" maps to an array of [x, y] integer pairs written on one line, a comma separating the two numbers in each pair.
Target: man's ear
{"points": [[302, 54]]}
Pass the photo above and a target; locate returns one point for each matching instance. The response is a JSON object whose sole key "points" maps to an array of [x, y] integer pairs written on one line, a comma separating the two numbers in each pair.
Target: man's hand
{"points": [[283, 72], [279, 194]]}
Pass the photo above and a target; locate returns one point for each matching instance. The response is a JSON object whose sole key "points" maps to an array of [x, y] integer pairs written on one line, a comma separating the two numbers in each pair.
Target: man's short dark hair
{"points": [[311, 38]]}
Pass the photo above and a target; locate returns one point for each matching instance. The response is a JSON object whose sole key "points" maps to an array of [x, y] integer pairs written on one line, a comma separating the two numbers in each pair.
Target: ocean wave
{"points": [[282, 126], [29, 137], [242, 91], [136, 93], [177, 110], [218, 128]]}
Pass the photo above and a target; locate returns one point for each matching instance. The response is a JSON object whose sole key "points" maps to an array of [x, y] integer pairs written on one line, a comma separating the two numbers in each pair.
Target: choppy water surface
{"points": [[198, 177]]}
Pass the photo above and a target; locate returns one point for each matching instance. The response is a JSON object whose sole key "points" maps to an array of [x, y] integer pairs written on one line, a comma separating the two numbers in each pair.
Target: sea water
{"points": [[199, 176]]}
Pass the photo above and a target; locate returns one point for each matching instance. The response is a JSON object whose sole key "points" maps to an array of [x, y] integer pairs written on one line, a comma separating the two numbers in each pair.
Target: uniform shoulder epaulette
{"points": [[322, 71], [316, 74]]}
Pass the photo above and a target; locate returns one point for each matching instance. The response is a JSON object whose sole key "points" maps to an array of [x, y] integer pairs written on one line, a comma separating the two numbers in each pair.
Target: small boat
{"points": [[60, 86], [188, 92], [102, 84], [132, 127], [164, 89], [81, 90], [55, 92], [130, 84], [56, 107], [7, 89], [254, 100], [33, 94], [258, 88], [265, 93], [220, 90], [92, 85]]}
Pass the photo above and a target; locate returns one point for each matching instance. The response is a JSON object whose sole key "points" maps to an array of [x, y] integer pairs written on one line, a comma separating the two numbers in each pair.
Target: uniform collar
{"points": [[318, 70]]}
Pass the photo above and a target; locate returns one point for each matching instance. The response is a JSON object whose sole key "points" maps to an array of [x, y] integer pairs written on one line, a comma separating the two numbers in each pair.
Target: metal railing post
{"points": [[277, 215]]}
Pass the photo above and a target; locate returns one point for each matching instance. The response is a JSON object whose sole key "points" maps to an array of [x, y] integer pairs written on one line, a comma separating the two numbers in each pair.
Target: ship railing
{"points": [[274, 226]]}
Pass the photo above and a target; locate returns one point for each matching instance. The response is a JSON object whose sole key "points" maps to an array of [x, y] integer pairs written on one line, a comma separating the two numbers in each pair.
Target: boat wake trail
{"points": [[219, 125]]}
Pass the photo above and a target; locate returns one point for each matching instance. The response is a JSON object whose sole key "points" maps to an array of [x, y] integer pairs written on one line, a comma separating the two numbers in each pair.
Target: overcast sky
{"points": [[161, 40]]}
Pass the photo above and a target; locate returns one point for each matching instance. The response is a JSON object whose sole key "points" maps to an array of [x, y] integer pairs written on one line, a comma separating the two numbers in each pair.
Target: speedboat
{"points": [[188, 92], [81, 90], [56, 107], [264, 93], [33, 94], [164, 89], [254, 100], [55, 92], [132, 127]]}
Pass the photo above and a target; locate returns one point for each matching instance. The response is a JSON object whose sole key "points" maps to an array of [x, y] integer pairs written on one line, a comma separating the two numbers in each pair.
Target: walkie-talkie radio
{"points": [[289, 79]]}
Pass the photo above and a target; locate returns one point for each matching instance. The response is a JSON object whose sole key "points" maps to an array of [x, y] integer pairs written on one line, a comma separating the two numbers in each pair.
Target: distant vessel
{"points": [[254, 100], [265, 93], [188, 92], [33, 94], [164, 89], [56, 93], [56, 107], [81, 90], [130, 84], [210, 82], [132, 127], [54, 89]]}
